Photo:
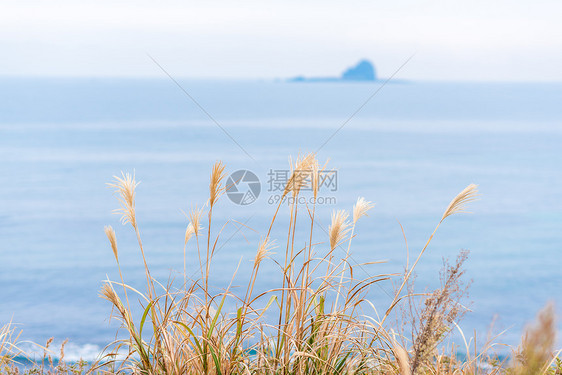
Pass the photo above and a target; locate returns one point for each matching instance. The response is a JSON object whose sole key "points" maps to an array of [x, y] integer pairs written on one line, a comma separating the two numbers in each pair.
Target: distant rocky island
{"points": [[363, 71]]}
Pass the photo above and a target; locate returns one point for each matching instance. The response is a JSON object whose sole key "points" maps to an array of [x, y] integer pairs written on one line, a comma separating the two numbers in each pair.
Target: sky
{"points": [[475, 40]]}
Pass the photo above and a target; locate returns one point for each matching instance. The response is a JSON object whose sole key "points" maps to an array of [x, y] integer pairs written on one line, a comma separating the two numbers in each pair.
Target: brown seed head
{"points": [[338, 228], [125, 186], [458, 204], [264, 250], [189, 232], [108, 293], [215, 186], [301, 174], [361, 208], [195, 217], [110, 233]]}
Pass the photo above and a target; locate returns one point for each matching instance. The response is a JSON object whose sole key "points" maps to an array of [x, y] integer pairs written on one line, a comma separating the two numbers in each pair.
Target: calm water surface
{"points": [[411, 149]]}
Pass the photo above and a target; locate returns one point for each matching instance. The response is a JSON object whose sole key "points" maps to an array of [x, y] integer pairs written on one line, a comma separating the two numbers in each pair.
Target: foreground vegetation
{"points": [[317, 321]]}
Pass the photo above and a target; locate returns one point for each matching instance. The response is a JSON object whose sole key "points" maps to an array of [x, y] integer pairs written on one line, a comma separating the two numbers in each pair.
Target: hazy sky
{"points": [[452, 39]]}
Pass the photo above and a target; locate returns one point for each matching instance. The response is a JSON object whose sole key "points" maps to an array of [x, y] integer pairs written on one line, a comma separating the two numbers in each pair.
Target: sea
{"points": [[407, 146]]}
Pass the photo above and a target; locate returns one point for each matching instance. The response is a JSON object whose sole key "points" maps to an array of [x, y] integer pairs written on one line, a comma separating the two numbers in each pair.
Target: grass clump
{"points": [[8, 346], [319, 320]]}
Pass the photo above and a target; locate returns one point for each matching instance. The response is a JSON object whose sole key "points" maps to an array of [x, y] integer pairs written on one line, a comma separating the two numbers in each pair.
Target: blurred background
{"points": [[92, 88]]}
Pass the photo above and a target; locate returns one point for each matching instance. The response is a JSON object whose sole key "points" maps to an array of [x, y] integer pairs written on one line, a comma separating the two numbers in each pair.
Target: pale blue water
{"points": [[410, 150]]}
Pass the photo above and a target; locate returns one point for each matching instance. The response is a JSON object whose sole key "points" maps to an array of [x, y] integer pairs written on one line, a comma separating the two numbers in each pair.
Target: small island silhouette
{"points": [[364, 70]]}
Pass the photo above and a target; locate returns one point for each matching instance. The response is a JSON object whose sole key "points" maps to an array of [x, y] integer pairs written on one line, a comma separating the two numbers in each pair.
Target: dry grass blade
{"points": [[8, 344], [315, 177], [470, 193], [458, 204]]}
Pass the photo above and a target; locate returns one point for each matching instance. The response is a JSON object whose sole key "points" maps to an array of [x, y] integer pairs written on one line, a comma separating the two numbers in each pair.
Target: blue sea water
{"points": [[410, 149]]}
